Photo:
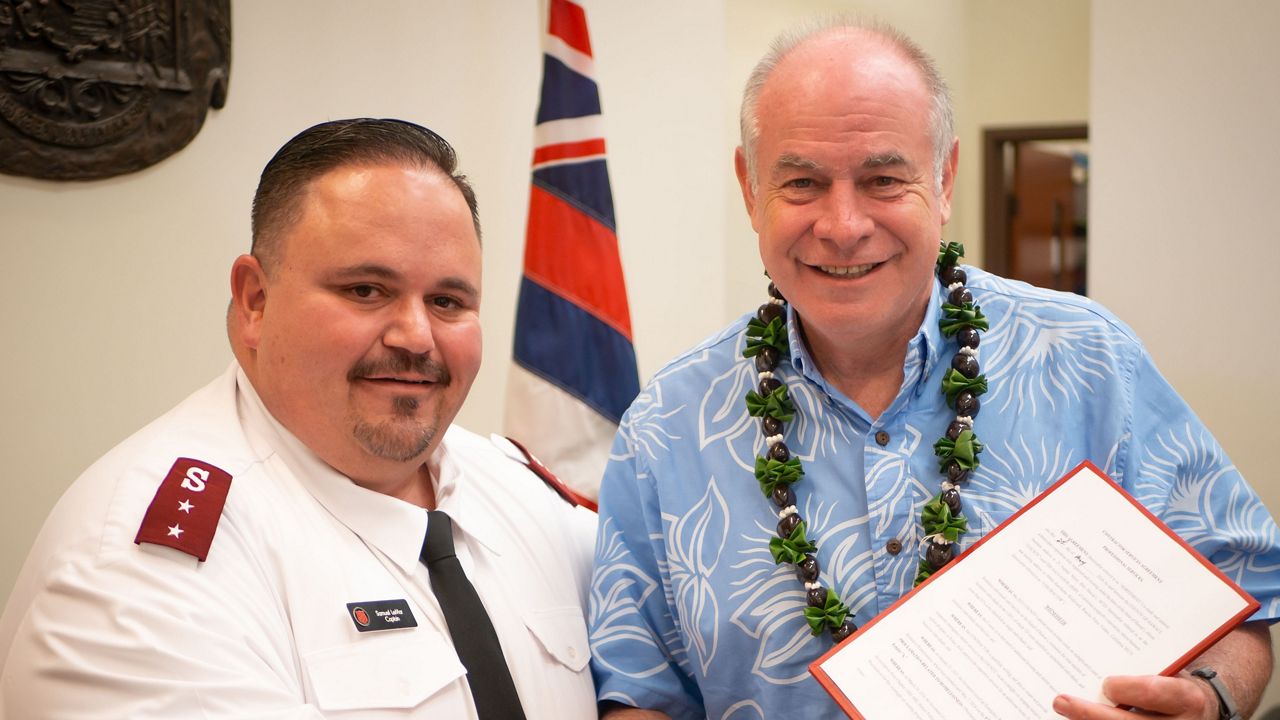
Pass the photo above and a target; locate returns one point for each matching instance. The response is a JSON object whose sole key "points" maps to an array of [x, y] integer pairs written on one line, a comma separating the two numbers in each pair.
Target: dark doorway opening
{"points": [[1035, 204]]}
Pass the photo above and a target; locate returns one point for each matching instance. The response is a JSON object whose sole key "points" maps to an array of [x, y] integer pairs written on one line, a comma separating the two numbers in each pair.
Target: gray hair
{"points": [[941, 114]]}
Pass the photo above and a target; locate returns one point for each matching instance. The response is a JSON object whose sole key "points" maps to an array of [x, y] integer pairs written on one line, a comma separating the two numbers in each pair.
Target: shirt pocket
{"points": [[393, 673], [562, 633]]}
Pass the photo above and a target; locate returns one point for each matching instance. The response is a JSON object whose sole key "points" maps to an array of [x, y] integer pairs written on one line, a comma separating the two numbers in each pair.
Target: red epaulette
{"points": [[188, 504], [552, 481]]}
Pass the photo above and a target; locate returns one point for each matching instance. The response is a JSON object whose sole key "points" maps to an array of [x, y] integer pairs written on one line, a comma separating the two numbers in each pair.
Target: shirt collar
{"points": [[926, 347], [801, 360], [463, 498], [923, 352], [396, 528]]}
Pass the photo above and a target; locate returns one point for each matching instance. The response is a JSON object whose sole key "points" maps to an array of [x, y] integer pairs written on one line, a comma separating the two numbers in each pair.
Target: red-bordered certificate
{"points": [[1080, 584]]}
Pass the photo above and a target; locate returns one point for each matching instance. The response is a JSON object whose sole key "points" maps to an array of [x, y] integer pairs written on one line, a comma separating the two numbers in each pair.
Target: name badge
{"points": [[374, 615]]}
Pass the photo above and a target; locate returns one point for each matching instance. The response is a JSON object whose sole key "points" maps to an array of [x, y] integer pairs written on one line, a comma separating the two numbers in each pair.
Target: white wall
{"points": [[1027, 63], [1185, 167], [115, 290]]}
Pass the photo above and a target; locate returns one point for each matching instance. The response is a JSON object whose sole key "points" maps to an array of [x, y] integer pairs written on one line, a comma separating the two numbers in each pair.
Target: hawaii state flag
{"points": [[575, 367]]}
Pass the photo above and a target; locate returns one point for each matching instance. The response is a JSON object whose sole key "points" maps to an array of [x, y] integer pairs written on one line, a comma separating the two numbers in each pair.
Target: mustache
{"points": [[400, 362]]}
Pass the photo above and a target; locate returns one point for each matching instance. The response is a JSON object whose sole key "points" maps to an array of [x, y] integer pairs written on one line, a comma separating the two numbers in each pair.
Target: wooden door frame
{"points": [[995, 200]]}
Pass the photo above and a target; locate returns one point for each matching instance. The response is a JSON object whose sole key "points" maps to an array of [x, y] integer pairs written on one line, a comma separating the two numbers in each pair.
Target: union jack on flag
{"points": [[575, 368]]}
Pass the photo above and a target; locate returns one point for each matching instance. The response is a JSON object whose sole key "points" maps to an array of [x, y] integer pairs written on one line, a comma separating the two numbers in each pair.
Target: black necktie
{"points": [[473, 635]]}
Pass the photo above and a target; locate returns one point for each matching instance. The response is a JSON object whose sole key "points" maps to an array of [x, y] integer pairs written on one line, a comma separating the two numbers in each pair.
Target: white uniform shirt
{"points": [[100, 627]]}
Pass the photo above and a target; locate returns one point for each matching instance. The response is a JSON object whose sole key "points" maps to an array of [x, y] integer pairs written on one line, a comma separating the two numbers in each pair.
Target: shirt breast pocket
{"points": [[395, 672], [562, 633]]}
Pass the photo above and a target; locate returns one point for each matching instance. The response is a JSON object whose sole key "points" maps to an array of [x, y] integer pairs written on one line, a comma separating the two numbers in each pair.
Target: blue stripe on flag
{"points": [[566, 93], [583, 356], [584, 185]]}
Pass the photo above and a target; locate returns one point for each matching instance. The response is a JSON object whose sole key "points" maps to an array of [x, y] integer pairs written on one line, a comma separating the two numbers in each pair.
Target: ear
{"points": [[248, 300], [949, 180], [744, 182]]}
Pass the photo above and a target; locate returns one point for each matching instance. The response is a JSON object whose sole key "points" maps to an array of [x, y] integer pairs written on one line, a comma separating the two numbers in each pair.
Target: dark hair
{"points": [[277, 204]]}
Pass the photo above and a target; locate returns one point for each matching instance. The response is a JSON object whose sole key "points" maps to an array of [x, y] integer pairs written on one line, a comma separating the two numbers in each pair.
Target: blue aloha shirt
{"points": [[690, 615]]}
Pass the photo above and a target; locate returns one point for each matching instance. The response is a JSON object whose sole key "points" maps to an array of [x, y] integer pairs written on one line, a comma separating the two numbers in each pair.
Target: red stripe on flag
{"points": [[569, 23], [573, 255], [562, 151]]}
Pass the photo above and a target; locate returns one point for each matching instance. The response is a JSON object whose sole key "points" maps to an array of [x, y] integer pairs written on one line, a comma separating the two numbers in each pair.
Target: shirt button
{"points": [[893, 547], [572, 653], [882, 438]]}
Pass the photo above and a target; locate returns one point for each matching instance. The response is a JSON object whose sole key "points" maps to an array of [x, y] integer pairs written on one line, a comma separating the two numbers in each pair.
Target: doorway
{"points": [[1035, 196]]}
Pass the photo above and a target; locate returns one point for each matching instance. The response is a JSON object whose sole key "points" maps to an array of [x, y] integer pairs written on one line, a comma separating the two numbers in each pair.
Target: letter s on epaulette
{"points": [[185, 512]]}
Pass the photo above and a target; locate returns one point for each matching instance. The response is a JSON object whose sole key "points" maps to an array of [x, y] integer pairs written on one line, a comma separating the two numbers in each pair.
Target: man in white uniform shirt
{"points": [[259, 550]]}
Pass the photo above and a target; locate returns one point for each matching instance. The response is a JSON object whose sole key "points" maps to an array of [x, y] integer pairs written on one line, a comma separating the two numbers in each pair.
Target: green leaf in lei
{"points": [[938, 520], [954, 382], [776, 404], [950, 254], [955, 317], [792, 548], [923, 571], [759, 336], [964, 450], [832, 614], [771, 473]]}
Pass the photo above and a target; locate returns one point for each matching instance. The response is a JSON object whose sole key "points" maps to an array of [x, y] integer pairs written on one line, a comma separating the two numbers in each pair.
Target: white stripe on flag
{"points": [[579, 62], [574, 446], [554, 132]]}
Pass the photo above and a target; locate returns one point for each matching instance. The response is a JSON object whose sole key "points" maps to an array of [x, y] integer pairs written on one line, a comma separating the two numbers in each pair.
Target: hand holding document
{"points": [[1081, 584]]}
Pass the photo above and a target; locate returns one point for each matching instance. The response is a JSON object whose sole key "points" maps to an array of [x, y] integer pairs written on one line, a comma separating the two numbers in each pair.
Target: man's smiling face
{"points": [[369, 334], [845, 201]]}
